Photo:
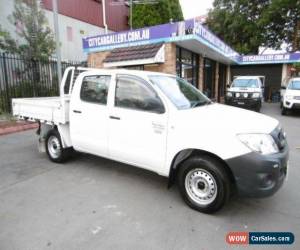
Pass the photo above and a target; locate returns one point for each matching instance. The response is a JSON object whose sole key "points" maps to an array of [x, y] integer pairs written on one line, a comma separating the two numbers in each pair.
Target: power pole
{"points": [[104, 15], [131, 14], [56, 31]]}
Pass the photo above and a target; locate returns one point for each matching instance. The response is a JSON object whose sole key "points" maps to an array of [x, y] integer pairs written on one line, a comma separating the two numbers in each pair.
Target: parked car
{"points": [[246, 92], [162, 123], [290, 96]]}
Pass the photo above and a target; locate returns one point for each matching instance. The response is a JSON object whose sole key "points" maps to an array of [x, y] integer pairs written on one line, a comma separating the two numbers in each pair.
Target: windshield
{"points": [[294, 84], [181, 93], [245, 83]]}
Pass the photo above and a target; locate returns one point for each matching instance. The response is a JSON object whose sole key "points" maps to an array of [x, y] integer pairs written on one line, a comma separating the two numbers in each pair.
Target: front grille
{"points": [[297, 97], [296, 106]]}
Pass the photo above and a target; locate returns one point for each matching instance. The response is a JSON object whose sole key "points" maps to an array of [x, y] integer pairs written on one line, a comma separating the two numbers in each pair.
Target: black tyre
{"points": [[284, 111], [54, 148], [258, 107], [204, 184]]}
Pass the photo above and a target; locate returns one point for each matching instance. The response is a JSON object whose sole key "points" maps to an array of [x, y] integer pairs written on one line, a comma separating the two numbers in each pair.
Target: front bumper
{"points": [[259, 175], [244, 103], [291, 104]]}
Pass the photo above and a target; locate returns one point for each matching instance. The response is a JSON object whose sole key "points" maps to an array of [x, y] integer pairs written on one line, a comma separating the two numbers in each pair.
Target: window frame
{"points": [[194, 64], [145, 83], [97, 103]]}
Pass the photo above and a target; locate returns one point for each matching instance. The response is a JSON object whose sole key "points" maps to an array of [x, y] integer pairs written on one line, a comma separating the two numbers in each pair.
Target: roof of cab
{"points": [[126, 71], [247, 77]]}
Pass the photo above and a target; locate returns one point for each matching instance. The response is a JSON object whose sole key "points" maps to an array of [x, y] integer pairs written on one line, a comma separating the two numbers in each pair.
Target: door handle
{"points": [[77, 111], [114, 117]]}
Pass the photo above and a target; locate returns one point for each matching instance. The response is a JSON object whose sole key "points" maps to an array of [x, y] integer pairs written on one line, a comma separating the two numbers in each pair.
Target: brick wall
{"points": [[169, 66], [201, 72], [95, 60]]}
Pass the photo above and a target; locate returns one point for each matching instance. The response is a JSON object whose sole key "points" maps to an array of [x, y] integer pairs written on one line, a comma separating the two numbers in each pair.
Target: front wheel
{"points": [[54, 148], [284, 111], [204, 184]]}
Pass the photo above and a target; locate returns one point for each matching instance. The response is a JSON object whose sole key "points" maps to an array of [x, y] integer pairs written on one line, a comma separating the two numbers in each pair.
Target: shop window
{"points": [[187, 66], [209, 77]]}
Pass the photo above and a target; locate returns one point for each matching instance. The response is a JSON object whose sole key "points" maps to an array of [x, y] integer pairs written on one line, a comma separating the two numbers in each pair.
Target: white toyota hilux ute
{"points": [[162, 123]]}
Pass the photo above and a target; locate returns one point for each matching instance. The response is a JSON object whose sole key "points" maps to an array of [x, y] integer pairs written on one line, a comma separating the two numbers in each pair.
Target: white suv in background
{"points": [[291, 97]]}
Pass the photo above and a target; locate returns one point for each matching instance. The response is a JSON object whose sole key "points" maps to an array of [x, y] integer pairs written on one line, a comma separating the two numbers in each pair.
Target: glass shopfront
{"points": [[209, 77], [187, 65]]}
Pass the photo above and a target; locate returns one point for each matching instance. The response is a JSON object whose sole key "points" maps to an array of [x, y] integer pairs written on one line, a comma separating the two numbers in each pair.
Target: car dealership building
{"points": [[189, 50]]}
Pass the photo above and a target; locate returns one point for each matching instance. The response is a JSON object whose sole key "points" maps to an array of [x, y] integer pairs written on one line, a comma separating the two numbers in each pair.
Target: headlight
{"points": [[261, 143], [289, 97], [256, 95], [229, 94]]}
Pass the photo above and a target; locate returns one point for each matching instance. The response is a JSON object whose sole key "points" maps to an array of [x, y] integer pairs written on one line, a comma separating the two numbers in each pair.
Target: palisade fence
{"points": [[20, 77]]}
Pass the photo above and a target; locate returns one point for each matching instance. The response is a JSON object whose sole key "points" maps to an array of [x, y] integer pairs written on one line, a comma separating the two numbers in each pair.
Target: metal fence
{"points": [[20, 77]]}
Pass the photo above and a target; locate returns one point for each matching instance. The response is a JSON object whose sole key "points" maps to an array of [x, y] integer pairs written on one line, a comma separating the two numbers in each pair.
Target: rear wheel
{"points": [[54, 148], [204, 184]]}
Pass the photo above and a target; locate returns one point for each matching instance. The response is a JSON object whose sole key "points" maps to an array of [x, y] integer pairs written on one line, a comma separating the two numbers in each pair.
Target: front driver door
{"points": [[137, 124]]}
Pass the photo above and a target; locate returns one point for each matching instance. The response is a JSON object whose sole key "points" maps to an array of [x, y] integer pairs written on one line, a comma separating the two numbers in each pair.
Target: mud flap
{"points": [[41, 145]]}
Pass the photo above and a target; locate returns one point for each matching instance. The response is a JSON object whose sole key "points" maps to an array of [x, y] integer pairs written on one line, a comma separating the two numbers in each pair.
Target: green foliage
{"points": [[36, 37], [152, 14], [246, 25], [282, 24], [236, 22]]}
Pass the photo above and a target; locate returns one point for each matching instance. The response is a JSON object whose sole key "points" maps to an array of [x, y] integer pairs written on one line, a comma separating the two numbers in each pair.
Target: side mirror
{"points": [[228, 86], [283, 87]]}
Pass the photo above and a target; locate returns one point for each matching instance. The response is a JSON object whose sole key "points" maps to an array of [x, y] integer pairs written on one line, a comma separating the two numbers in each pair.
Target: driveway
{"points": [[94, 203]]}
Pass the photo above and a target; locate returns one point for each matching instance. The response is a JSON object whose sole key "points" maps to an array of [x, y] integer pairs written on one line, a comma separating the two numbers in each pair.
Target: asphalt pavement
{"points": [[94, 203]]}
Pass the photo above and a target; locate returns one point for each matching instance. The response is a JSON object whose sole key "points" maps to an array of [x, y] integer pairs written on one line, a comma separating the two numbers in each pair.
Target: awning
{"points": [[136, 55]]}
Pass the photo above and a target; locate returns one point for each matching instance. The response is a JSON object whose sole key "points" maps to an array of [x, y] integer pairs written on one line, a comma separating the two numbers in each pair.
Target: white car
{"points": [[162, 123], [246, 92], [291, 96]]}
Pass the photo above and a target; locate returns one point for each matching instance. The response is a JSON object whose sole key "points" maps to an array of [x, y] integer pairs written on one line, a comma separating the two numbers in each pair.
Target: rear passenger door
{"points": [[89, 115], [137, 124]]}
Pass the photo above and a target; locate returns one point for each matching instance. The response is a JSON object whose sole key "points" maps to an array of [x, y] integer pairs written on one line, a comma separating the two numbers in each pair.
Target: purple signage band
{"points": [[170, 32], [191, 29], [269, 58]]}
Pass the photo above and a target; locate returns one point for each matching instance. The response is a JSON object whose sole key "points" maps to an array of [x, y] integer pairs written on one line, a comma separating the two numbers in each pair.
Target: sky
{"points": [[193, 8]]}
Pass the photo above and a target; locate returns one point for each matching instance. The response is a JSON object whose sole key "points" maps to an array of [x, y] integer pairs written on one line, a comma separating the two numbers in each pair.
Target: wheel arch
{"points": [[184, 154]]}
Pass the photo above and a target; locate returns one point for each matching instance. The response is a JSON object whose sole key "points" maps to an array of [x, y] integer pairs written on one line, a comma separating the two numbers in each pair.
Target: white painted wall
{"points": [[70, 50]]}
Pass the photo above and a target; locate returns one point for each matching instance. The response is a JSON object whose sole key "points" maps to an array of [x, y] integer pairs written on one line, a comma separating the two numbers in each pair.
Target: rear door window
{"points": [[94, 89]]}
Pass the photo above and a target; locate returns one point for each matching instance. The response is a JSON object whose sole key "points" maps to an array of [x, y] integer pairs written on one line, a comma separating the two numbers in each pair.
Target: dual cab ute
{"points": [[162, 123]]}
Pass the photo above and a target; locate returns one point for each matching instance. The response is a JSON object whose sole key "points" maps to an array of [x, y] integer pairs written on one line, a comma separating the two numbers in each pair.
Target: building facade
{"points": [[187, 49], [77, 19]]}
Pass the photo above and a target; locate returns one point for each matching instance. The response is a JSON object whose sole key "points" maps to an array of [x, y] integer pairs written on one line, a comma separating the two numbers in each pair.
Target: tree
{"points": [[35, 43], [282, 24], [156, 12], [36, 37], [237, 23]]}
